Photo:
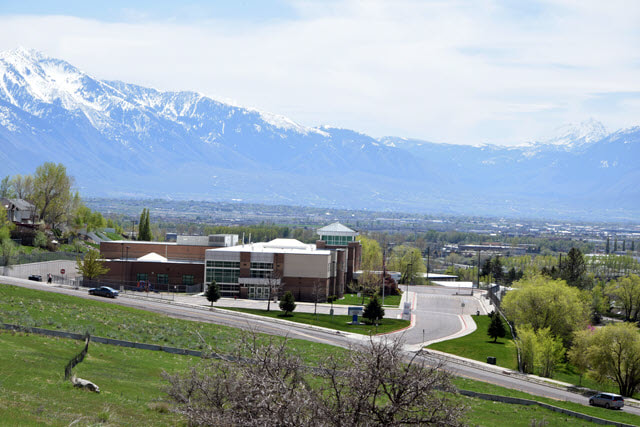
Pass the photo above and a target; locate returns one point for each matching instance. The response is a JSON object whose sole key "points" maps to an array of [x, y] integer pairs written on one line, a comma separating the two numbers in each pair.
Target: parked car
{"points": [[35, 278], [608, 400], [104, 291]]}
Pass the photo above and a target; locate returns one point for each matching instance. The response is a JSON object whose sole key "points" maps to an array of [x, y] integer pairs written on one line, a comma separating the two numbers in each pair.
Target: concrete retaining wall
{"points": [[23, 271]]}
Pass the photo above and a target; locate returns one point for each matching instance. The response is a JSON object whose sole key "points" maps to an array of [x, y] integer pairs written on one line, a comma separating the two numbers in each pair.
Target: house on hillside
{"points": [[20, 211]]}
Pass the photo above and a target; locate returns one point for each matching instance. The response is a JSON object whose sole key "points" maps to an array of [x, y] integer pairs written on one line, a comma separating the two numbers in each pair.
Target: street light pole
{"points": [[409, 274]]}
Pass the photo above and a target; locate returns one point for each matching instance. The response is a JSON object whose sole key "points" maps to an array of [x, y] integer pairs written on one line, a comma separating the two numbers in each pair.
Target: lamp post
{"points": [[409, 274]]}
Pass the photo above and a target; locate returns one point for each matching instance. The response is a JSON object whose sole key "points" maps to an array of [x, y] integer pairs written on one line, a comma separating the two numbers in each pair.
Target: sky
{"points": [[452, 71]]}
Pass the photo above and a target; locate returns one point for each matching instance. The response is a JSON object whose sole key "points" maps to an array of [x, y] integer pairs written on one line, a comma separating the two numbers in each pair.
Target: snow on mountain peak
{"points": [[573, 135]]}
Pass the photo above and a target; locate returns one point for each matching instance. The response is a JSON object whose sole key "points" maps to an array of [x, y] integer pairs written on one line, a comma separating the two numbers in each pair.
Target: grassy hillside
{"points": [[33, 390]]}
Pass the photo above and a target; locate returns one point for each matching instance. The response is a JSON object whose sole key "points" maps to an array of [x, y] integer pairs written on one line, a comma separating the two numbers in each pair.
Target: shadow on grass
{"points": [[497, 342]]}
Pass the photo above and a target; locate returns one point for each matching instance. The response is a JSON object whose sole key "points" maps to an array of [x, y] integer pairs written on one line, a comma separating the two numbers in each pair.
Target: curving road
{"points": [[438, 311]]}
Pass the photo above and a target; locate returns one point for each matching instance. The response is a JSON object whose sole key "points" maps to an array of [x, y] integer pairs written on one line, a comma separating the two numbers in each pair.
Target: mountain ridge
{"points": [[116, 137]]}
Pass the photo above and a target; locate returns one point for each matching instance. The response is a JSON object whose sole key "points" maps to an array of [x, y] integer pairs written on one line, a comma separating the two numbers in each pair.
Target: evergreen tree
{"points": [[496, 327], [633, 246], [615, 245], [287, 303], [574, 269], [144, 229], [496, 270], [486, 267], [607, 250], [213, 292], [373, 310], [624, 244]]}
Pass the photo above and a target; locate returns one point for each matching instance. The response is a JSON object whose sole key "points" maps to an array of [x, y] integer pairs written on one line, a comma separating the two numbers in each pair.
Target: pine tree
{"points": [[615, 245], [373, 310], [496, 327], [633, 246], [607, 250], [574, 269], [213, 292], [287, 303]]}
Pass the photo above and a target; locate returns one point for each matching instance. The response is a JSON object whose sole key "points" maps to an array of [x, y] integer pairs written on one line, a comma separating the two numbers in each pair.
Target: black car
{"points": [[104, 291], [35, 278]]}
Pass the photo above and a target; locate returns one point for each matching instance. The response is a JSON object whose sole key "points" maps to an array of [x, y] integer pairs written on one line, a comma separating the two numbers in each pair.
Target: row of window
{"points": [[262, 266], [163, 279], [223, 264], [338, 240], [222, 275]]}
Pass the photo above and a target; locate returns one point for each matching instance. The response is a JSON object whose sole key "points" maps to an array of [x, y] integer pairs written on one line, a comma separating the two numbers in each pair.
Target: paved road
{"points": [[433, 298]]}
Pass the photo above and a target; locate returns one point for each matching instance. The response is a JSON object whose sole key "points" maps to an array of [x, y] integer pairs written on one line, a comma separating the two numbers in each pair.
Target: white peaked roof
{"points": [[336, 229], [152, 256]]}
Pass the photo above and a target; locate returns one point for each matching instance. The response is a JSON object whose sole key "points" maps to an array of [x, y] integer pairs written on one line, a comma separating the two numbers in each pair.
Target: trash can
{"points": [[491, 360]]}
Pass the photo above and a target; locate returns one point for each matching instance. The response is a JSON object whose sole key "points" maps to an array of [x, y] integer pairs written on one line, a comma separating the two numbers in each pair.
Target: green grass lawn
{"points": [[113, 236], [332, 322], [354, 299], [33, 390], [478, 345], [49, 310]]}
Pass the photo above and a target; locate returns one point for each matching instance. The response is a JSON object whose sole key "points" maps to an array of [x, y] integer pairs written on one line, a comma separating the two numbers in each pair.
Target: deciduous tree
{"points": [[549, 351], [264, 385], [52, 192], [626, 293], [610, 353], [23, 186], [91, 267], [540, 302]]}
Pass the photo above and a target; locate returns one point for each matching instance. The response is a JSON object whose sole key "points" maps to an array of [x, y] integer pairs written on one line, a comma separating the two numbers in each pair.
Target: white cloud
{"points": [[451, 71]]}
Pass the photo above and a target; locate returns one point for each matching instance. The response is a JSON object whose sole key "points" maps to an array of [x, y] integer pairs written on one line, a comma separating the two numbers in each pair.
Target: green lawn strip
{"points": [[338, 322], [33, 390], [113, 236], [482, 387], [48, 310], [354, 299], [478, 345]]}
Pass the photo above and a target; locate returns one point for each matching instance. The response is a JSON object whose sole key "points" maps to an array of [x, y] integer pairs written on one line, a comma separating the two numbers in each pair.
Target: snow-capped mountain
{"points": [[121, 139]]}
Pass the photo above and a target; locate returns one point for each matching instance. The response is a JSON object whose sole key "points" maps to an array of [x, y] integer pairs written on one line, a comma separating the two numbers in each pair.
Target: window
{"points": [[142, 277], [187, 279], [337, 240], [222, 271], [163, 279]]}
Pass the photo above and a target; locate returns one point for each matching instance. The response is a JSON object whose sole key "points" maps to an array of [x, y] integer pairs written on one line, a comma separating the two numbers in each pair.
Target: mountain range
{"points": [[122, 140]]}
